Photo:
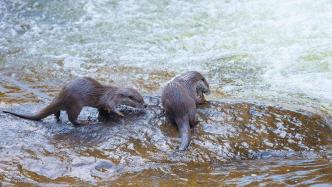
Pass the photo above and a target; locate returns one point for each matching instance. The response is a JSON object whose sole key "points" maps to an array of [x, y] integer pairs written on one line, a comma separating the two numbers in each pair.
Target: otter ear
{"points": [[204, 80]]}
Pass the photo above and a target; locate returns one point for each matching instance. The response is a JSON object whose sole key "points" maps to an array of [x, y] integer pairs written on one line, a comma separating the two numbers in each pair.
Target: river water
{"points": [[269, 65]]}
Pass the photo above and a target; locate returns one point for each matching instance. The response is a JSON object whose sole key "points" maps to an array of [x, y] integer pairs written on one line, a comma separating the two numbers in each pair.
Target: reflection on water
{"points": [[234, 143]]}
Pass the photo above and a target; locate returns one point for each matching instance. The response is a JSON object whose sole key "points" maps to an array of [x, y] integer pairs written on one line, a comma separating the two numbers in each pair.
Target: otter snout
{"points": [[130, 97], [207, 91], [140, 105], [133, 103], [203, 86]]}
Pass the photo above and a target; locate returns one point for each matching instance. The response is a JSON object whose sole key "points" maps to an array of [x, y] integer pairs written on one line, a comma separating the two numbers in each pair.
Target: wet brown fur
{"points": [[85, 91], [179, 99]]}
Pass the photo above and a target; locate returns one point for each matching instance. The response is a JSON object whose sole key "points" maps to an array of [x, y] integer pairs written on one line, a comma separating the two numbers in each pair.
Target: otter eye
{"points": [[131, 97]]}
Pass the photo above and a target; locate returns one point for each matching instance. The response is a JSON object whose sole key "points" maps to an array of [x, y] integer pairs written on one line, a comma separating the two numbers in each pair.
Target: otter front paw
{"points": [[200, 100]]}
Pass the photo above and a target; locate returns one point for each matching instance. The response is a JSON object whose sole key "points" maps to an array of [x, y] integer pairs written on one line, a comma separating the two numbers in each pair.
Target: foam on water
{"points": [[280, 51]]}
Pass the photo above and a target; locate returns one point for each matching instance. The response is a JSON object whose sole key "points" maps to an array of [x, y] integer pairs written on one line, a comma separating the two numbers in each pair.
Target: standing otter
{"points": [[85, 91], [179, 99]]}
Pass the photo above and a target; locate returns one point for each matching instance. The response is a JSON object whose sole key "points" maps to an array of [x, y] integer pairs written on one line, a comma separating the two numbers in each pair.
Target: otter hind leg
{"points": [[57, 115], [192, 118], [73, 113]]}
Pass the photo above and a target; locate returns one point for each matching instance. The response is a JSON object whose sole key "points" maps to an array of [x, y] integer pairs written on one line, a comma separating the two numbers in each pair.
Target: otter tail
{"points": [[49, 110], [183, 126]]}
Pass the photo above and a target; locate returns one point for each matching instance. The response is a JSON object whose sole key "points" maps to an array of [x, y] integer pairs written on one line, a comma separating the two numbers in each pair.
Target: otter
{"points": [[85, 91], [179, 99]]}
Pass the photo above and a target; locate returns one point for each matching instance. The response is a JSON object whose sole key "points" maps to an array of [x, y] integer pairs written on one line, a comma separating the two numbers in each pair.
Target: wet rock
{"points": [[142, 142]]}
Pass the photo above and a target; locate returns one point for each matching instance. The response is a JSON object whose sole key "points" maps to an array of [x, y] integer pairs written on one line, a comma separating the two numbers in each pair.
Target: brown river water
{"points": [[268, 121], [235, 142]]}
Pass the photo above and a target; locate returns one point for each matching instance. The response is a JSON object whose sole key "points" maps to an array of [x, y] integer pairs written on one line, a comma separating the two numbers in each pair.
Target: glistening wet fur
{"points": [[85, 91], [179, 99]]}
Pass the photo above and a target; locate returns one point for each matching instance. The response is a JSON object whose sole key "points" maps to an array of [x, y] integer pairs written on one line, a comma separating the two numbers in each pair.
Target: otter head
{"points": [[198, 81], [202, 87], [130, 97]]}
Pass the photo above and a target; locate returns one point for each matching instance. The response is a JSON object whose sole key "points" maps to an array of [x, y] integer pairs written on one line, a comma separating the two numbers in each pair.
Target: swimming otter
{"points": [[85, 91], [179, 99]]}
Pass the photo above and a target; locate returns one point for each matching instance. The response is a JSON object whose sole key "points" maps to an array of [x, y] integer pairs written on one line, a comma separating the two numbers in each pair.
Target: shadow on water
{"points": [[234, 143]]}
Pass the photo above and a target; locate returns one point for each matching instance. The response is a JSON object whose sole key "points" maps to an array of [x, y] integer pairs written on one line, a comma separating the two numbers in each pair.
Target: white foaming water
{"points": [[268, 50]]}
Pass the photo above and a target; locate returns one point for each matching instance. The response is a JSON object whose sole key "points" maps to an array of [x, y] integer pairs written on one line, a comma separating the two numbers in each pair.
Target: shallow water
{"points": [[234, 143], [269, 65]]}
